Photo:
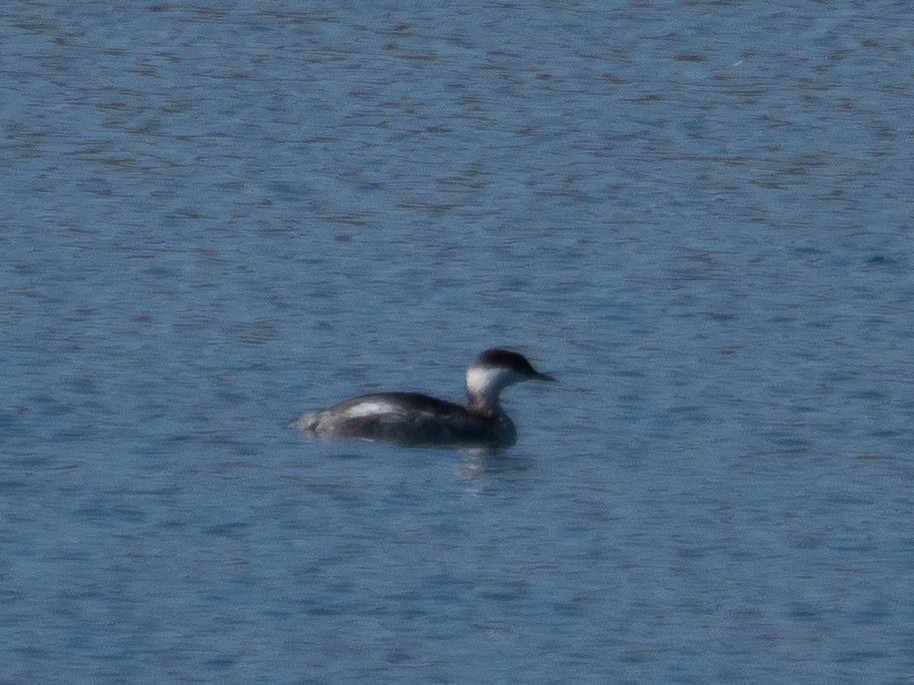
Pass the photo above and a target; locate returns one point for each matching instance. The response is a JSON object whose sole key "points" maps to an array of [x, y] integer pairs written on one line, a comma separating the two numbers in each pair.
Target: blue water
{"points": [[217, 216]]}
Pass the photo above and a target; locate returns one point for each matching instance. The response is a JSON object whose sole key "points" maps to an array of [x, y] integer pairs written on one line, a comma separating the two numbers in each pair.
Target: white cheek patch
{"points": [[482, 381]]}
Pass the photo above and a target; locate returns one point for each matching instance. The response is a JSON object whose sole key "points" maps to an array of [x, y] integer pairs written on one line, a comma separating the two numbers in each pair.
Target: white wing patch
{"points": [[371, 408]]}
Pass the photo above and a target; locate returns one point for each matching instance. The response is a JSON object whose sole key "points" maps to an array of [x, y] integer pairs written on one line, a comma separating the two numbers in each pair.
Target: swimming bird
{"points": [[413, 418]]}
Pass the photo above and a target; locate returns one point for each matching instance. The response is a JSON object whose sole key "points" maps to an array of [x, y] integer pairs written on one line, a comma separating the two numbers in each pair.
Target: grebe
{"points": [[413, 418]]}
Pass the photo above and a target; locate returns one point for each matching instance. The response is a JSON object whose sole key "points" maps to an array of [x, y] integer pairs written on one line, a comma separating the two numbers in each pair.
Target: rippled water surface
{"points": [[696, 214]]}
